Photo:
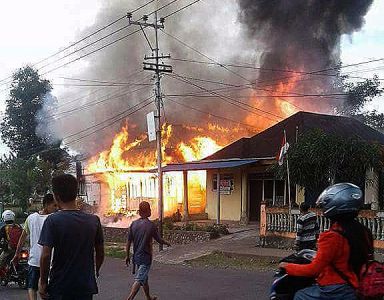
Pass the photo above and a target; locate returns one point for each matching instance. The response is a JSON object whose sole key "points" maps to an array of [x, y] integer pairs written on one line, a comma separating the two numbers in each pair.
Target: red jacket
{"points": [[333, 249]]}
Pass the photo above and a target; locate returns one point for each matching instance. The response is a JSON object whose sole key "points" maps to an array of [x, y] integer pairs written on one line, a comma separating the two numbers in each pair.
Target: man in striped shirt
{"points": [[307, 229]]}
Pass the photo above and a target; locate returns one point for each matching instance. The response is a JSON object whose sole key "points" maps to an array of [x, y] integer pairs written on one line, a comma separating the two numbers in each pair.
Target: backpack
{"points": [[13, 232], [371, 277], [371, 280]]}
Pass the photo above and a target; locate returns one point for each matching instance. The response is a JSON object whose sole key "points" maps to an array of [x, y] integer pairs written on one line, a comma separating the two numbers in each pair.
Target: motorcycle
{"points": [[284, 286], [16, 273]]}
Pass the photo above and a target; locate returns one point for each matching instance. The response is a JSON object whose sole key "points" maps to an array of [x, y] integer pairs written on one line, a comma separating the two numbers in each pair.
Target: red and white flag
{"points": [[283, 150]]}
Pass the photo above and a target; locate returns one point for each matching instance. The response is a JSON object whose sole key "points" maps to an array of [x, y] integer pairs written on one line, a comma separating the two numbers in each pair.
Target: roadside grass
{"points": [[221, 260], [115, 250]]}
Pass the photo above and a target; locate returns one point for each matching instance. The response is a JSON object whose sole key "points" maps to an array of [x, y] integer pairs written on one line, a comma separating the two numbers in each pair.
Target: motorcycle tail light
{"points": [[24, 255]]}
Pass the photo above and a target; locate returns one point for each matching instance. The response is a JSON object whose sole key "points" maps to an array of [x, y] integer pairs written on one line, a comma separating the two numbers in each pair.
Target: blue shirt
{"points": [[73, 236], [141, 233]]}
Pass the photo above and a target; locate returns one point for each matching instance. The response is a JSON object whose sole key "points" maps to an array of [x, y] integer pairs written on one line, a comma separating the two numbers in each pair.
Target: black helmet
{"points": [[340, 199]]}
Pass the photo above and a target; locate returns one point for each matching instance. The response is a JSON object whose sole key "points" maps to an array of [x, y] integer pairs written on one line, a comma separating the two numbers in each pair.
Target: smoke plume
{"points": [[301, 35], [275, 35]]}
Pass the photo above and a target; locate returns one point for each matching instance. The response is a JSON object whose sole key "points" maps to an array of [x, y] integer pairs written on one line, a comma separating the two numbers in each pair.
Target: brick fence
{"points": [[119, 235]]}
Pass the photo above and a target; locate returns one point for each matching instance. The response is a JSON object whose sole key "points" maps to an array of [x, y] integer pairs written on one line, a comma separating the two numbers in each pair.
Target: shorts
{"points": [[142, 274], [33, 278], [328, 292], [70, 297]]}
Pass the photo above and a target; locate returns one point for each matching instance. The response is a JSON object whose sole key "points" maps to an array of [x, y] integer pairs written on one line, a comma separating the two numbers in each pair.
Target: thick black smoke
{"points": [[278, 34], [301, 34]]}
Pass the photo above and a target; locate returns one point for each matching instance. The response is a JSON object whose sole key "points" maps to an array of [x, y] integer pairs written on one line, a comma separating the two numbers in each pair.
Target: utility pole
{"points": [[158, 69]]}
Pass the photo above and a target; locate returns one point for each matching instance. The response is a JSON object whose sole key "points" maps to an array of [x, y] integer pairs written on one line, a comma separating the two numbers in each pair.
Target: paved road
{"points": [[175, 282]]}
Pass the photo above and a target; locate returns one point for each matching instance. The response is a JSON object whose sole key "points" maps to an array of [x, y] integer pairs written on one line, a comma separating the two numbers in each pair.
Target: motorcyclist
{"points": [[342, 250], [7, 253]]}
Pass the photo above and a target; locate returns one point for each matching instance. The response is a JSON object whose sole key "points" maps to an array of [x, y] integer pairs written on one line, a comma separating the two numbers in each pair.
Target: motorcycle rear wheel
{"points": [[4, 282]]}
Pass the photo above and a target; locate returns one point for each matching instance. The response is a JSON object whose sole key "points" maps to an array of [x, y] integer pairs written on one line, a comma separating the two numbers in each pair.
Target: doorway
{"points": [[255, 198]]}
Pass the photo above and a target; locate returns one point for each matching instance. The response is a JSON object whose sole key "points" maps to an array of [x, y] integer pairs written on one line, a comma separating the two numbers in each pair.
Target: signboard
{"points": [[225, 186], [151, 126]]}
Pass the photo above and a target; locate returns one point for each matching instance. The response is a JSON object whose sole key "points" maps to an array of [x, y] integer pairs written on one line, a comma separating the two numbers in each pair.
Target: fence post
{"points": [[263, 223]]}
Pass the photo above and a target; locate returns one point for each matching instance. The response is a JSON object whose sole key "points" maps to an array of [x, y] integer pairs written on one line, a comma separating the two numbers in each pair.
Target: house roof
{"points": [[268, 142], [209, 164]]}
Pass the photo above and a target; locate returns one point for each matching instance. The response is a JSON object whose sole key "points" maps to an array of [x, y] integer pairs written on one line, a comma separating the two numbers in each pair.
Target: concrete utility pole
{"points": [[158, 69]]}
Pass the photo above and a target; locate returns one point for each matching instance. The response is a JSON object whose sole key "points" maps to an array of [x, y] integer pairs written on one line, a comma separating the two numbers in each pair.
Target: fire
{"points": [[275, 102], [129, 170], [198, 148]]}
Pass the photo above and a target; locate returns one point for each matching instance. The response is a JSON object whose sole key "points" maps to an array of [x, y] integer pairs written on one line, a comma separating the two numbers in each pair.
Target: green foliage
{"points": [[358, 95], [21, 179], [28, 171], [115, 250], [26, 98], [319, 159]]}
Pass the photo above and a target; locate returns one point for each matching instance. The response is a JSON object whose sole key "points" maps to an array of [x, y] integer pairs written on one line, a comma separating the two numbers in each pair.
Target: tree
{"points": [[358, 95], [319, 159], [28, 170], [25, 100], [21, 179]]}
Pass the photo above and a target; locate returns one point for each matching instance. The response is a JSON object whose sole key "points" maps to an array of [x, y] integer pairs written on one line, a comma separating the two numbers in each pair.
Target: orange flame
{"points": [[125, 167]]}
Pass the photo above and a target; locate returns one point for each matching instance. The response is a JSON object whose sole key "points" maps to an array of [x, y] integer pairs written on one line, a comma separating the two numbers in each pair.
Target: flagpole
{"points": [[289, 184]]}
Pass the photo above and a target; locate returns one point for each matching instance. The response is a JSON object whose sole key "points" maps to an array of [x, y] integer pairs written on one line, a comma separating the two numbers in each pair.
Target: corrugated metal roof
{"points": [[209, 164]]}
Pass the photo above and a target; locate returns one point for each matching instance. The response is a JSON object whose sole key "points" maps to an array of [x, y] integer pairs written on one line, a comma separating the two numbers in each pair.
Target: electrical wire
{"points": [[64, 114], [86, 37], [180, 9], [213, 115], [233, 101], [112, 121]]}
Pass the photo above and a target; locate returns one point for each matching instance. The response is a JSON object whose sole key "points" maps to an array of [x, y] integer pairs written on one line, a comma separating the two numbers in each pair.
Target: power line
{"points": [[112, 84], [94, 51], [94, 42], [92, 93], [110, 43], [110, 121], [107, 45], [295, 95], [106, 98], [233, 101], [213, 115], [180, 9], [86, 37], [250, 87], [249, 66], [225, 67]]}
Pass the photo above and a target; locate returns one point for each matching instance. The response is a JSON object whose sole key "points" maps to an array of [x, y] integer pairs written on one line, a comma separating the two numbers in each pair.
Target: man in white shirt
{"points": [[32, 228]]}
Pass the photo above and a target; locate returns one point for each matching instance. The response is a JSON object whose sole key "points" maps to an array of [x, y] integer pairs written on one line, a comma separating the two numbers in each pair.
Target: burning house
{"points": [[242, 169], [293, 53]]}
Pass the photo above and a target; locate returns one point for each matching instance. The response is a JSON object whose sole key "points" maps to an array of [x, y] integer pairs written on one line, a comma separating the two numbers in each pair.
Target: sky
{"points": [[33, 30]]}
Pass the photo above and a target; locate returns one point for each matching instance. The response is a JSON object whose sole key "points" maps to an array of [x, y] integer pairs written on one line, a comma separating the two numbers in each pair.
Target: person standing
{"points": [[307, 229], [32, 228], [76, 239], [141, 233]]}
